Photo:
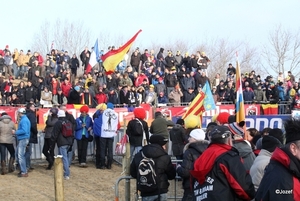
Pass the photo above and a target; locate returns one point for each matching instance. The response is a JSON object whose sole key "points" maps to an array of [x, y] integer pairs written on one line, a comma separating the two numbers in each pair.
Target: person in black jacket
{"points": [[165, 170], [281, 180], [63, 143], [30, 92], [74, 96], [219, 172], [48, 148], [178, 139], [192, 151], [137, 130], [74, 65], [30, 113]]}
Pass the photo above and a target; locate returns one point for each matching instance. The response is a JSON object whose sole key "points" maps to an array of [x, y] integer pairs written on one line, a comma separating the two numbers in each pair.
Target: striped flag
{"points": [[112, 58], [240, 108], [93, 58], [196, 107]]}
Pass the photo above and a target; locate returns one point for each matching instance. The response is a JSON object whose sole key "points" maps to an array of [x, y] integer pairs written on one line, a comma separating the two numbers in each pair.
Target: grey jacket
{"points": [[49, 126], [6, 127]]}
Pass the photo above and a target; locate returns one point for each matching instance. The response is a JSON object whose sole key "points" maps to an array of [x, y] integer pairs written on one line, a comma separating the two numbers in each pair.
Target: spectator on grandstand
{"points": [[86, 98], [66, 87], [248, 95], [151, 97], [170, 80], [231, 71], [113, 96], [135, 60], [124, 95], [30, 92], [273, 94], [188, 82], [26, 62], [259, 94], [7, 140], [84, 57], [160, 86], [178, 58], [74, 65], [193, 63], [46, 97], [164, 168], [175, 96], [291, 76], [59, 98], [218, 174], [144, 56], [15, 67], [31, 115], [6, 90], [8, 61], [125, 80], [189, 95], [162, 99], [75, 96], [170, 60], [111, 82], [2, 65], [160, 54], [84, 125]]}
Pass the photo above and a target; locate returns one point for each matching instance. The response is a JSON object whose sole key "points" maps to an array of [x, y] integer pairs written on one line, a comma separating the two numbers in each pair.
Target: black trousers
{"points": [[106, 147], [48, 150], [82, 149], [10, 148]]}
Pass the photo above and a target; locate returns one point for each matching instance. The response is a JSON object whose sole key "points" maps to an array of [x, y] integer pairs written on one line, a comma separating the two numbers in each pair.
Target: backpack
{"points": [[67, 128], [147, 179]]}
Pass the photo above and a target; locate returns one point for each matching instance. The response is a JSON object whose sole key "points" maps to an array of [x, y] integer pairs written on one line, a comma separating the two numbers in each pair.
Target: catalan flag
{"points": [[240, 108], [209, 103], [93, 57], [196, 107], [112, 58]]}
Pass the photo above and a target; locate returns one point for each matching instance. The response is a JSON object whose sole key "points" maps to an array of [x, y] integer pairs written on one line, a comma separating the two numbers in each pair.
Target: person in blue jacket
{"points": [[97, 130], [22, 135], [84, 125]]}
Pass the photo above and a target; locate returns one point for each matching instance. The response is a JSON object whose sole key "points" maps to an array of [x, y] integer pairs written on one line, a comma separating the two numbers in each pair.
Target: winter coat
{"points": [[192, 151], [33, 126], [281, 180], [257, 170], [178, 138], [136, 135], [23, 131], [74, 97], [97, 123], [259, 95], [188, 82], [246, 153], [160, 87], [248, 95], [175, 97], [80, 130], [170, 80], [220, 175], [57, 134], [49, 126], [165, 170], [188, 97], [160, 126], [6, 127]]}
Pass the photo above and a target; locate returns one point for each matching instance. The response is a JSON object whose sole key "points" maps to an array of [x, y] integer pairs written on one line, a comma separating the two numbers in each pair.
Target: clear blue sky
{"points": [[160, 20]]}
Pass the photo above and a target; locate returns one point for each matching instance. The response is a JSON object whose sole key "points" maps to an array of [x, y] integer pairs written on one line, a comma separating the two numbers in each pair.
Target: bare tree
{"points": [[71, 36], [283, 51]]}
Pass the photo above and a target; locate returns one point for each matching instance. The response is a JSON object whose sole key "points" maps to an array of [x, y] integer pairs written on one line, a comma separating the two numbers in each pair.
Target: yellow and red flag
{"points": [[196, 107], [112, 58]]}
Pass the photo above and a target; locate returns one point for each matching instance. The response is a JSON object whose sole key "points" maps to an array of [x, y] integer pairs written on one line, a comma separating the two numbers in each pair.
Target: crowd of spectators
{"points": [[162, 78]]}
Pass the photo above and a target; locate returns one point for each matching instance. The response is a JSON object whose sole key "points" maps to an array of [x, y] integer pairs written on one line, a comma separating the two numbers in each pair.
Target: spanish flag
{"points": [[240, 107], [112, 58], [196, 107]]}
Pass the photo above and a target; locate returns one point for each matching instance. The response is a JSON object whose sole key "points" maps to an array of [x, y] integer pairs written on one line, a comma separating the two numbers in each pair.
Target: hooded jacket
{"points": [[220, 175], [165, 170], [23, 131], [281, 180], [178, 138], [192, 151], [6, 127], [49, 125], [80, 130], [246, 153]]}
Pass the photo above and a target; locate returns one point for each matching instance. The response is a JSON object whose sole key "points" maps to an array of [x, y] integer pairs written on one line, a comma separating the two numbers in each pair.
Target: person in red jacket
{"points": [[101, 97], [139, 80], [66, 87]]}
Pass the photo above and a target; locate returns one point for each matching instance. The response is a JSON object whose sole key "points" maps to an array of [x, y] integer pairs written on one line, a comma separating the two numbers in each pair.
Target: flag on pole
{"points": [[209, 103], [240, 108], [112, 58], [196, 107], [93, 58]]}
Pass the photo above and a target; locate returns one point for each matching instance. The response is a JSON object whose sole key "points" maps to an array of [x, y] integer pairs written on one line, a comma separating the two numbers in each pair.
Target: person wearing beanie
{"points": [[178, 138], [282, 175], [195, 147], [137, 131], [74, 96], [48, 148], [84, 125], [220, 169], [100, 108], [109, 129], [63, 143], [165, 170], [222, 118], [243, 146]]}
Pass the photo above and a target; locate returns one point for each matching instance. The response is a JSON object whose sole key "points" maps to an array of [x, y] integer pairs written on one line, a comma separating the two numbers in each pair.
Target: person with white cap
{"points": [[196, 146], [23, 135], [63, 142]]}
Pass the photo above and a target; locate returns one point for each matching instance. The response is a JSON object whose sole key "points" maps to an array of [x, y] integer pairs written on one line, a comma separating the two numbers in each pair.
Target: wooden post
{"points": [[127, 166], [59, 178]]}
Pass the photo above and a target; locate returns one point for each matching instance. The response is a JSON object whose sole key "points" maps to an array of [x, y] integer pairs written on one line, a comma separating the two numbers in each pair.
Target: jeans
{"points": [[63, 150], [134, 150], [28, 155], [163, 197], [70, 155], [21, 149], [106, 147], [48, 150], [82, 149], [10, 148], [16, 70]]}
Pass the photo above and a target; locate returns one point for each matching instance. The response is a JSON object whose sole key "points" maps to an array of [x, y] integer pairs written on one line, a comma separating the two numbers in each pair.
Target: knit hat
{"points": [[223, 117], [77, 88], [219, 132], [139, 113], [197, 134], [101, 106], [180, 122], [54, 110], [231, 119], [192, 121], [270, 143], [84, 108], [237, 129], [277, 133], [158, 139], [110, 105], [61, 113]]}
